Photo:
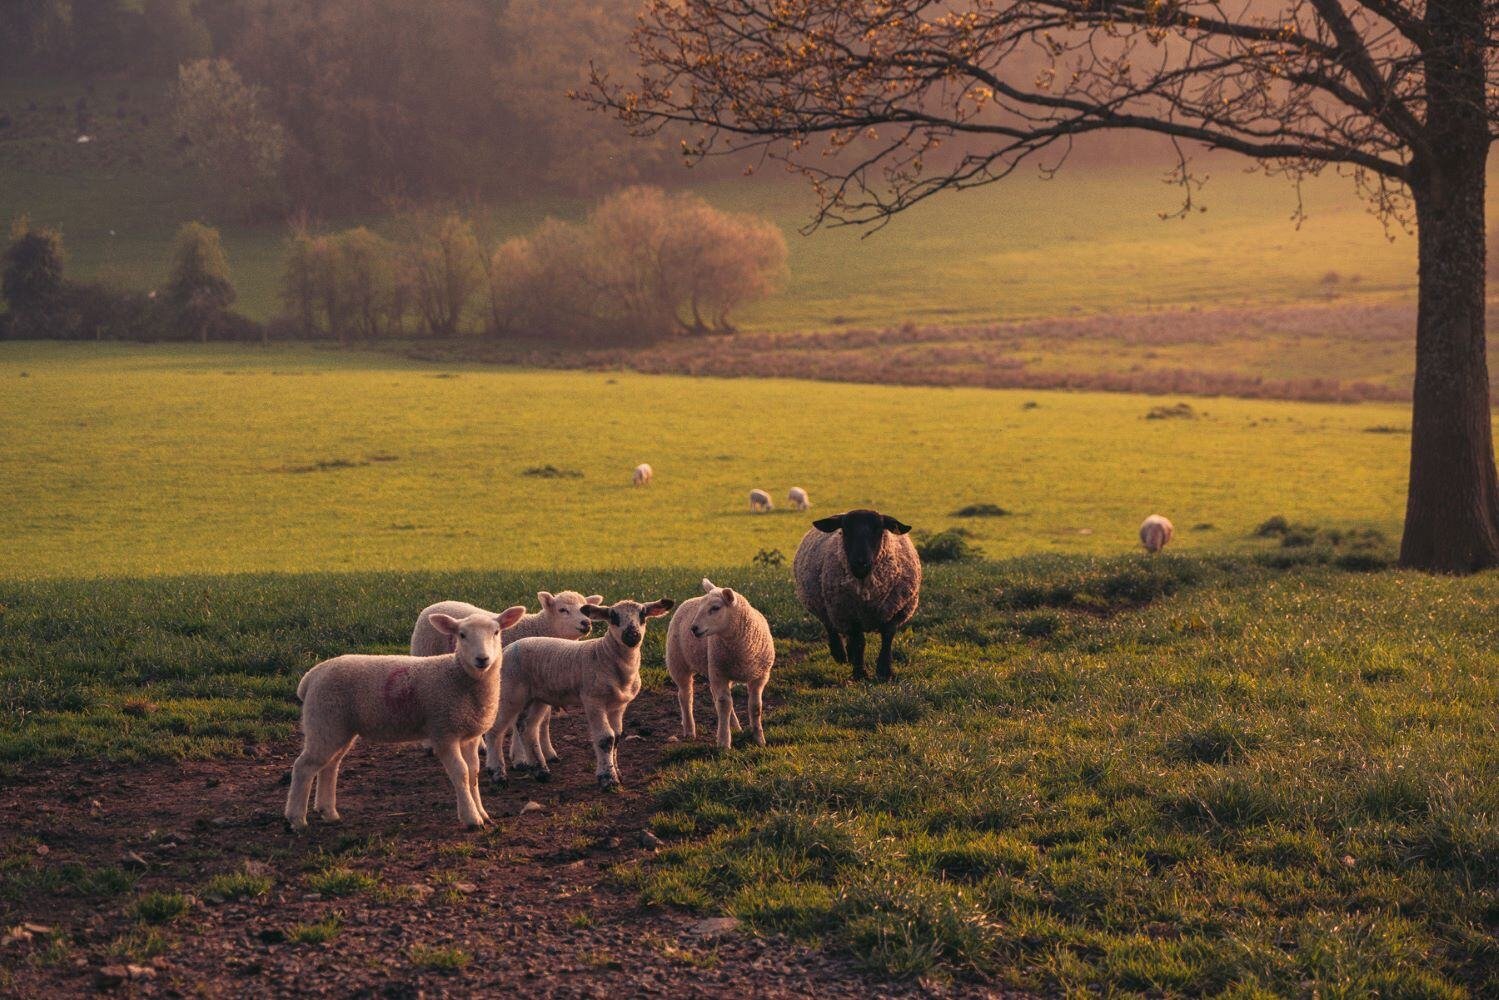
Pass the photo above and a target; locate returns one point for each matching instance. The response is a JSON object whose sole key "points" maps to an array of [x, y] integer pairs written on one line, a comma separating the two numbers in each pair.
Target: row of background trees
{"points": [[339, 105], [642, 266]]}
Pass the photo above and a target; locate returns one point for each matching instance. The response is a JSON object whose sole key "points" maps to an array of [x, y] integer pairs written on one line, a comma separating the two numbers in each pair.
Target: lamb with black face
{"points": [[858, 572]]}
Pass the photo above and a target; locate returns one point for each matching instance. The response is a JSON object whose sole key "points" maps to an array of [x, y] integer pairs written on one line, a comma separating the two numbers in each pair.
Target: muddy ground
{"points": [[530, 902]]}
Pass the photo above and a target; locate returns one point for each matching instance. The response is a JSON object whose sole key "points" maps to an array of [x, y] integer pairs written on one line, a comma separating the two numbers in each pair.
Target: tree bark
{"points": [[1452, 507]]}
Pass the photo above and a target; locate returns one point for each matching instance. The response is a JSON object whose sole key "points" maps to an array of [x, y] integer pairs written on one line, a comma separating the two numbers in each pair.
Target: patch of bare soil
{"points": [[527, 907]]}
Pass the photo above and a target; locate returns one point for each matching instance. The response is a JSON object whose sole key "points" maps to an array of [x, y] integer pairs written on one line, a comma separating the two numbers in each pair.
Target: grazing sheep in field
{"points": [[600, 676], [760, 501], [798, 498], [858, 572], [643, 475], [449, 699], [1155, 533], [561, 615], [721, 636]]}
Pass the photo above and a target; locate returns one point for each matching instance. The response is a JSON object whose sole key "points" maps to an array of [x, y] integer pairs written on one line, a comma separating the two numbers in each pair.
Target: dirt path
{"points": [[531, 901]]}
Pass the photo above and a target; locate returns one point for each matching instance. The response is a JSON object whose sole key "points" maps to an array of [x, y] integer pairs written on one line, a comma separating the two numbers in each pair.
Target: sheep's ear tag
{"points": [[895, 527], [828, 524]]}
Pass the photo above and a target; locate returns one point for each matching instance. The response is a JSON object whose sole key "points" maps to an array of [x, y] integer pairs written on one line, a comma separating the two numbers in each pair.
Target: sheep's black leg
{"points": [[856, 654], [835, 645], [882, 665]]}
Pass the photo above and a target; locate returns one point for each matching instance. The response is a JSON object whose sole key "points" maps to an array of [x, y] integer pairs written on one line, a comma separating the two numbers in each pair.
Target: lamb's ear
{"points": [[546, 599], [446, 624], [729, 596], [656, 609], [594, 599], [828, 524], [893, 526], [708, 587], [596, 613], [510, 616]]}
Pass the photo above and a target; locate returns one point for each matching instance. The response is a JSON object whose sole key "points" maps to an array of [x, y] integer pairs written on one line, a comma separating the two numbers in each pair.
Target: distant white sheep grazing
{"points": [[449, 699], [643, 474], [1155, 533], [760, 500], [561, 615], [720, 636], [798, 498], [600, 676]]}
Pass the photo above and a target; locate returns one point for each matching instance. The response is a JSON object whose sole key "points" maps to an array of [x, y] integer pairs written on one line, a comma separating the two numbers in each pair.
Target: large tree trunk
{"points": [[1452, 508]]}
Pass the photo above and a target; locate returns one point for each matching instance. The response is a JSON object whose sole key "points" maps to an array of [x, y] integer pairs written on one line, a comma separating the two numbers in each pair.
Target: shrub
{"points": [[31, 279], [1273, 526], [981, 510], [643, 266], [769, 557], [350, 284], [1180, 411], [945, 546], [198, 291], [446, 269], [551, 472]]}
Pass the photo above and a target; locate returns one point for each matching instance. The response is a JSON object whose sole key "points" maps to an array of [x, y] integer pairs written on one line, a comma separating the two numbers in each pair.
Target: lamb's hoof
{"points": [[295, 827], [499, 779], [542, 775], [522, 767], [330, 817], [608, 783], [553, 759]]}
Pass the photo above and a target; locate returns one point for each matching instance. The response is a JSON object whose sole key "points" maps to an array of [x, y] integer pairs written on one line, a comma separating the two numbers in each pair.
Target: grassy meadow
{"points": [[1264, 774], [1257, 765], [133, 460]]}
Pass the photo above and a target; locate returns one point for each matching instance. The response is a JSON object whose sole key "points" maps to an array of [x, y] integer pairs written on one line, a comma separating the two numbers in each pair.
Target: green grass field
{"points": [[1258, 775], [131, 460]]}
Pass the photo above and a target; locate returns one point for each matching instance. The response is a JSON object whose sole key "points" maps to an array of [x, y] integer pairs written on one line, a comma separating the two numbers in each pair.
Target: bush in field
{"points": [[232, 136], [344, 285], [198, 291], [31, 274], [643, 266], [374, 285], [446, 270]]}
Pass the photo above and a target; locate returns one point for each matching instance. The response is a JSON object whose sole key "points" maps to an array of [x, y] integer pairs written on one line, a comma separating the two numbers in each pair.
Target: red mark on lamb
{"points": [[399, 693]]}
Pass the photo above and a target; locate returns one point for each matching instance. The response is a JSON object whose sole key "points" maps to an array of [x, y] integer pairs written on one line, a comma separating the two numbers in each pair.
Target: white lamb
{"points": [[449, 699], [721, 636], [798, 498], [600, 676], [760, 500], [1155, 533], [561, 615], [643, 474]]}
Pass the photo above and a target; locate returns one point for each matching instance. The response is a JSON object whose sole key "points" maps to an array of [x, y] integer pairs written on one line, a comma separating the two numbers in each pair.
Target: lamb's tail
{"points": [[302, 684]]}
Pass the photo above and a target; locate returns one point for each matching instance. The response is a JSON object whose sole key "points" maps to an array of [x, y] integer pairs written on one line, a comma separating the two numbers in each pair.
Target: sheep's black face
{"points": [[863, 537]]}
